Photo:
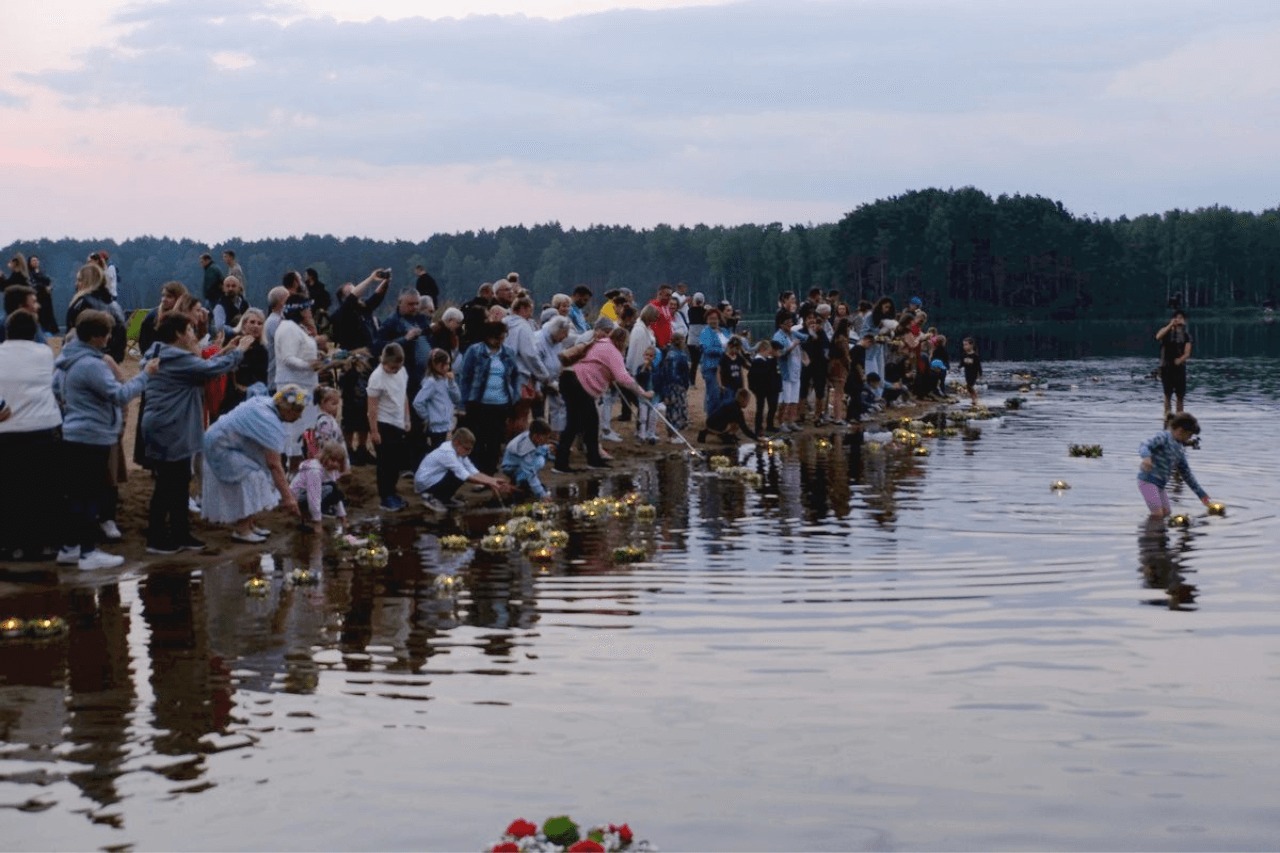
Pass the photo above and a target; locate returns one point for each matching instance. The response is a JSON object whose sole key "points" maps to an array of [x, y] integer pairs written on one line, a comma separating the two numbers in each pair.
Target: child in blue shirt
{"points": [[1161, 456], [525, 456], [438, 399]]}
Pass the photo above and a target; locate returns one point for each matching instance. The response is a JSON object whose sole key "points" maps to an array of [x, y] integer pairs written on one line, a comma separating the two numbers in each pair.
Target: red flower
{"points": [[624, 832], [586, 845], [507, 847], [521, 827]]}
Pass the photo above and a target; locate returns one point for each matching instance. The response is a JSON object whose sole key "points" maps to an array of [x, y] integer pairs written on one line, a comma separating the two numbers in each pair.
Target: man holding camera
{"points": [[1175, 349]]}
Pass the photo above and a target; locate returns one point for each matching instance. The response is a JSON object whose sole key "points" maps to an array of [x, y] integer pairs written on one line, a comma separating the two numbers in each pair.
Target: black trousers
{"points": [[169, 516], [29, 496], [489, 424], [763, 402], [581, 419], [390, 458], [88, 492]]}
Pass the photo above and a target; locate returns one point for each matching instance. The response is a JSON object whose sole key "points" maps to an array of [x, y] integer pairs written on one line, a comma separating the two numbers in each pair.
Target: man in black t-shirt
{"points": [[1175, 349]]}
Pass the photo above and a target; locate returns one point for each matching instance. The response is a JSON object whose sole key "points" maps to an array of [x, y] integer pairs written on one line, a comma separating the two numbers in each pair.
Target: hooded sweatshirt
{"points": [[173, 420], [91, 395]]}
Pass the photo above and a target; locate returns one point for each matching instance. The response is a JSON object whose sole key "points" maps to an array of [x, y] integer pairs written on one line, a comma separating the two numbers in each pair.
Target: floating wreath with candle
{"points": [[454, 542], [257, 586], [628, 554], [373, 553]]}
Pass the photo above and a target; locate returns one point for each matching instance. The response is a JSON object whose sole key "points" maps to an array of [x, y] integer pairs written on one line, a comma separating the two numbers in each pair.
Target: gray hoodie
{"points": [[173, 420], [90, 394]]}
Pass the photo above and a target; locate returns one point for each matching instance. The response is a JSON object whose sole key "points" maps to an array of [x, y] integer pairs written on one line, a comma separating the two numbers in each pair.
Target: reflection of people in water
{"points": [[1162, 567]]}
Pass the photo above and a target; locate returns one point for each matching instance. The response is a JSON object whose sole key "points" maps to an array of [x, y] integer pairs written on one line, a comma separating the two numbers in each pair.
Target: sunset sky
{"points": [[395, 119]]}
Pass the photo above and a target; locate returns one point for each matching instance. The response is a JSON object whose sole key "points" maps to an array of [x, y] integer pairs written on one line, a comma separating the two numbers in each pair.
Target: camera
{"points": [[1194, 443], [384, 274], [1175, 301]]}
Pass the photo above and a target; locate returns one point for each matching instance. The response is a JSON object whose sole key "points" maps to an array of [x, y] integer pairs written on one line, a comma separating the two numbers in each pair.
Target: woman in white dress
{"points": [[243, 472]]}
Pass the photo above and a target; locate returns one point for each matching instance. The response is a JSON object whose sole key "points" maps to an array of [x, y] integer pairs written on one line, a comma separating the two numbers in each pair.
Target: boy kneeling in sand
{"points": [[444, 470]]}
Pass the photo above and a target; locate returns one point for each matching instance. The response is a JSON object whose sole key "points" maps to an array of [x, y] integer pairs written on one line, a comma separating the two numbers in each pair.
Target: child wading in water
{"points": [[1162, 455]]}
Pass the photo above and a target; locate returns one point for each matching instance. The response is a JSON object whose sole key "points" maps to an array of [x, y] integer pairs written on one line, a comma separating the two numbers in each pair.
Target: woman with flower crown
{"points": [[243, 472]]}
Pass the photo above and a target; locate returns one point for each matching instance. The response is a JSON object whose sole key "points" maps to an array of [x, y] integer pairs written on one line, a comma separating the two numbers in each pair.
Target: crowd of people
{"points": [[266, 407]]}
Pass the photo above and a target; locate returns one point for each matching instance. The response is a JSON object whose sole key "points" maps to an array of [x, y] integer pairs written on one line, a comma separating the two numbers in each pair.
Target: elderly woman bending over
{"points": [[243, 474]]}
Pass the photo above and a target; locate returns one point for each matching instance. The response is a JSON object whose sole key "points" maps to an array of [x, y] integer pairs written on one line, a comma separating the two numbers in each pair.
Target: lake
{"points": [[870, 650]]}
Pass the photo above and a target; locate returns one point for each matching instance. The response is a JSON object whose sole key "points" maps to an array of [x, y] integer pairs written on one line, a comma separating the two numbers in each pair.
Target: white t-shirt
{"points": [[390, 389]]}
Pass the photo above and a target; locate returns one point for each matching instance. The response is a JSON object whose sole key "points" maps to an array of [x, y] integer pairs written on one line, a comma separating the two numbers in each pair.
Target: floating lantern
{"points": [[718, 462], [1180, 520], [557, 538], [872, 446], [542, 554], [522, 511], [304, 577], [632, 498], [257, 586], [46, 626], [1217, 509], [455, 542], [920, 451], [1089, 451], [544, 511], [499, 530], [445, 583], [1060, 485], [822, 444], [928, 432], [373, 554], [12, 627], [906, 436], [950, 432], [497, 543], [628, 554], [646, 512], [526, 529]]}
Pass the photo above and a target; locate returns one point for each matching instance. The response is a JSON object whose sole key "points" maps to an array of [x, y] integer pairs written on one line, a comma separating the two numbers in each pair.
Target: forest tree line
{"points": [[968, 255]]}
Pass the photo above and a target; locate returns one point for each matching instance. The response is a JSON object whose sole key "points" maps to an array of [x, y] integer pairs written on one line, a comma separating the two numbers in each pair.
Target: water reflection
{"points": [[852, 570], [1162, 565]]}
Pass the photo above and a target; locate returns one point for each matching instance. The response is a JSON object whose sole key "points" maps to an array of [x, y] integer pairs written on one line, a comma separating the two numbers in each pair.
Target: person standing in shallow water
{"points": [[1175, 349]]}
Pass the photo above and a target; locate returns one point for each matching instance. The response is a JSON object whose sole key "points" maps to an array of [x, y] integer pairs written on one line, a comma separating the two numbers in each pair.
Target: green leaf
{"points": [[560, 830]]}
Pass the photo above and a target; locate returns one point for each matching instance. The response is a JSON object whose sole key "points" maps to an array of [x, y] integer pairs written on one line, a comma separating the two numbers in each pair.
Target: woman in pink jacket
{"points": [[582, 384]]}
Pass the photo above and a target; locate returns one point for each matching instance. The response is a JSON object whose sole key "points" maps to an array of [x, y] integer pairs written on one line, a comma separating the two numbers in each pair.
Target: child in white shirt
{"points": [[389, 421]]}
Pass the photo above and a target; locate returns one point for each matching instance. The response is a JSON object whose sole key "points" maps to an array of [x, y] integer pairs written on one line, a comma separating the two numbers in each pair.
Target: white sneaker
{"points": [[193, 505], [97, 559], [69, 555], [111, 531], [433, 503], [610, 435]]}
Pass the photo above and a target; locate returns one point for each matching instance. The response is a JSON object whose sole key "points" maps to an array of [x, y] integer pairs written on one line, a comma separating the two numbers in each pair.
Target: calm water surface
{"points": [[870, 651]]}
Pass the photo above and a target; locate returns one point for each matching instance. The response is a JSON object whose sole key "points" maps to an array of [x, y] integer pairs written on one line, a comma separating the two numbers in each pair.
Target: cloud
{"points": [[8, 100], [772, 100]]}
